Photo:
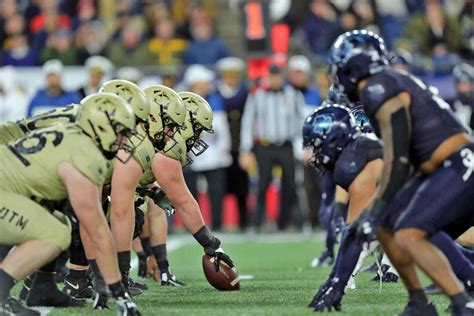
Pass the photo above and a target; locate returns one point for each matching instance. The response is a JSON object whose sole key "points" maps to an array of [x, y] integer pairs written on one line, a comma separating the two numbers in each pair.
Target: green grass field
{"points": [[283, 283]]}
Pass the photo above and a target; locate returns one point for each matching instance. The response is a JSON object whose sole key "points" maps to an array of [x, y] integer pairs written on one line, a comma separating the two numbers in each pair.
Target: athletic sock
{"points": [[146, 245], [161, 256], [417, 296], [124, 261], [77, 274], [6, 283]]}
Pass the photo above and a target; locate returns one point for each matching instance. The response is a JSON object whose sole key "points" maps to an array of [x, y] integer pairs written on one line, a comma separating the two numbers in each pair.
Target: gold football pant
{"points": [[22, 219]]}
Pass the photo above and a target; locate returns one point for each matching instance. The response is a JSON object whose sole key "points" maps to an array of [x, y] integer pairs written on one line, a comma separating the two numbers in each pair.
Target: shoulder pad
{"points": [[379, 88]]}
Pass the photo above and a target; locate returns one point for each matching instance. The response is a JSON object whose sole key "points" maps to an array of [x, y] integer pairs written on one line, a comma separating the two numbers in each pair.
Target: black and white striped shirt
{"points": [[273, 117]]}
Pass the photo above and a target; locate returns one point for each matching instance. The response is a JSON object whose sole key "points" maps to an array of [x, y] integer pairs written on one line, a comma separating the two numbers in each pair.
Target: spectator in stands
{"points": [[19, 53], [49, 10], [91, 39], [8, 9], [53, 95], [99, 69], [205, 48], [233, 91], [13, 98], [130, 50], [319, 26], [59, 46], [13, 25], [300, 77], [165, 47], [392, 17], [195, 12], [463, 104], [433, 32], [49, 21], [273, 117], [169, 76], [213, 162]]}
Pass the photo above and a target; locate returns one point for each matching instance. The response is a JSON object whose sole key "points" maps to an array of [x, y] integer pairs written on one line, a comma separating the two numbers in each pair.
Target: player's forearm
{"points": [[191, 215]]}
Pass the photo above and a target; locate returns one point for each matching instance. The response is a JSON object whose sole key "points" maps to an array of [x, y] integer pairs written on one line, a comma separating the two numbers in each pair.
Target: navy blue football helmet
{"points": [[362, 120], [326, 132], [354, 56]]}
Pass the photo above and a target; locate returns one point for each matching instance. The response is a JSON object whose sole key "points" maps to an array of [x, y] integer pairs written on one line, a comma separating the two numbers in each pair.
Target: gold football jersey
{"points": [[29, 165], [13, 130]]}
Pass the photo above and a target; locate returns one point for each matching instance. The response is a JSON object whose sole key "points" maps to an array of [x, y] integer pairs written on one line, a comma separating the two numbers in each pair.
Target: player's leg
{"points": [[158, 237], [38, 235], [76, 282], [444, 199]]}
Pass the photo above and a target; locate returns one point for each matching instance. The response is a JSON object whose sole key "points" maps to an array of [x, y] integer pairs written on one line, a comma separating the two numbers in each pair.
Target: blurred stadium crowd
{"points": [[54, 52]]}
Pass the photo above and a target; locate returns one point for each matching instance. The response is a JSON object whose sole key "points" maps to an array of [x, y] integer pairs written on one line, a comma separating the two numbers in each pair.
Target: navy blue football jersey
{"points": [[355, 156], [432, 120]]}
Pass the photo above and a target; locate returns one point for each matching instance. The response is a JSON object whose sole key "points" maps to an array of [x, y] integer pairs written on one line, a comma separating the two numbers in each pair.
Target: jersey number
{"points": [[19, 149]]}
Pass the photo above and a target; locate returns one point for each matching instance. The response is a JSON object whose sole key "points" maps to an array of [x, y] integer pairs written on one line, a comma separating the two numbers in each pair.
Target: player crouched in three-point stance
{"points": [[418, 131], [355, 159], [52, 164]]}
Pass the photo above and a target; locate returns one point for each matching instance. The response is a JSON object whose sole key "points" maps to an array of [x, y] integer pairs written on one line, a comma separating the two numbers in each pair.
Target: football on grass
{"points": [[226, 279]]}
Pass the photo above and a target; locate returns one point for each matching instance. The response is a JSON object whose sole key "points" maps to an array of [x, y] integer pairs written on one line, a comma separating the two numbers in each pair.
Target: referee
{"points": [[270, 130]]}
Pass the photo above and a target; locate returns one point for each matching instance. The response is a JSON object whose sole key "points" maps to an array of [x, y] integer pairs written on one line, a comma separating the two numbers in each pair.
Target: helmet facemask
{"points": [[122, 139]]}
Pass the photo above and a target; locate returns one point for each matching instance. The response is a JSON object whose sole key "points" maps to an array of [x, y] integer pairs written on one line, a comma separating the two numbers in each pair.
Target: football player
{"points": [[49, 165], [355, 159], [198, 119], [168, 173], [418, 130]]}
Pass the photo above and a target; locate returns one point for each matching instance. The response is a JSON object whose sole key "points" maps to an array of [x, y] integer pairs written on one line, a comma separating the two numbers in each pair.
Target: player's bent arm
{"points": [[363, 189], [393, 118], [85, 196], [169, 174], [125, 179]]}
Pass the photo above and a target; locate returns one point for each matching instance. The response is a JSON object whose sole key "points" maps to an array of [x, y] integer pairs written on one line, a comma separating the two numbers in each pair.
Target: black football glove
{"points": [[158, 196], [329, 296], [364, 229], [211, 245], [101, 293], [126, 307]]}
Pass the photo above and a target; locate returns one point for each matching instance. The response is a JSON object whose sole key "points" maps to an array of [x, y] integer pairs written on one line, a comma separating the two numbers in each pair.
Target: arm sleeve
{"points": [[397, 145], [246, 128]]}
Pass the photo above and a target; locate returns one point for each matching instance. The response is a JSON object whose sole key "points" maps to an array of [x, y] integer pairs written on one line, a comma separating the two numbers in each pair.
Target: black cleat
{"points": [[78, 288], [465, 310], [44, 292], [25, 288], [133, 283], [168, 278], [133, 291], [419, 309], [432, 289], [11, 306]]}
